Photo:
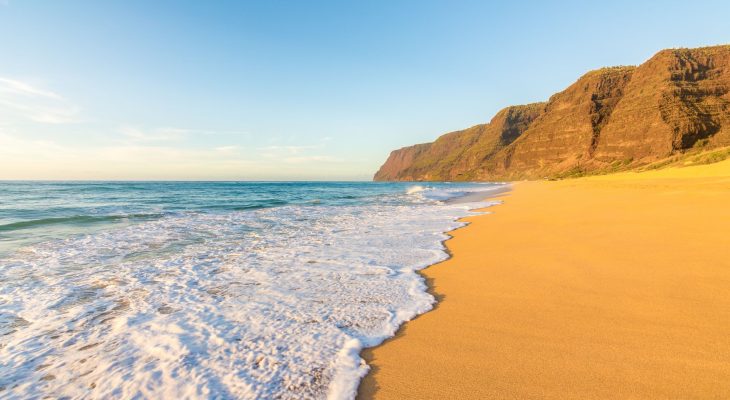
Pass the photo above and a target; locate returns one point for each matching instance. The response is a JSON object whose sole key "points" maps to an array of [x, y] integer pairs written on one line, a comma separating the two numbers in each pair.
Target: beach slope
{"points": [[613, 286]]}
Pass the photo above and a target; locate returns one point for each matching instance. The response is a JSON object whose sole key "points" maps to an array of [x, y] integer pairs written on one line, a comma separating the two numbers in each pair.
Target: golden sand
{"points": [[604, 287]]}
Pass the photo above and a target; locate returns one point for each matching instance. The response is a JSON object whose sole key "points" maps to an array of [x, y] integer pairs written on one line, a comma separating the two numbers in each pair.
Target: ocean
{"points": [[211, 289]]}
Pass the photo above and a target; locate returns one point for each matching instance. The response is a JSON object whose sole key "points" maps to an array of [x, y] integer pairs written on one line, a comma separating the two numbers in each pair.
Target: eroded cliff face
{"points": [[566, 133], [674, 101], [629, 116], [400, 160], [458, 155]]}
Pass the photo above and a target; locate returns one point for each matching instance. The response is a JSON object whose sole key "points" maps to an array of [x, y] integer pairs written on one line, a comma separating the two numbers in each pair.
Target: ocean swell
{"points": [[268, 303]]}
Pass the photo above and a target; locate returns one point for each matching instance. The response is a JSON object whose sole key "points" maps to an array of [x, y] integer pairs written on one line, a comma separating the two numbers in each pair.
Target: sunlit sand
{"points": [[614, 286]]}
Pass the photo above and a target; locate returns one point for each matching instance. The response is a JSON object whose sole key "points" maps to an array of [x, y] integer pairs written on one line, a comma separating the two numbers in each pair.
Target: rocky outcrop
{"points": [[627, 116]]}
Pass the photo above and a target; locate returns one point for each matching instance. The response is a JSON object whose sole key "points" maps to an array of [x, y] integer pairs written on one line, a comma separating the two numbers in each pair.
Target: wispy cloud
{"points": [[22, 100], [311, 159], [22, 88], [22, 158], [25, 158], [136, 134], [165, 134], [290, 149], [298, 154], [227, 149], [33, 145]]}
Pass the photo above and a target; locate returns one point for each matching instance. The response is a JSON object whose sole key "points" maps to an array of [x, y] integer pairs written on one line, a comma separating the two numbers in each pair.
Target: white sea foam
{"points": [[458, 193], [415, 189], [273, 303]]}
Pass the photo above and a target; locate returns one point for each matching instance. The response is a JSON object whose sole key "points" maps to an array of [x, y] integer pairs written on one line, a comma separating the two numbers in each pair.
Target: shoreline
{"points": [[482, 201], [588, 322], [469, 197], [477, 197], [367, 386]]}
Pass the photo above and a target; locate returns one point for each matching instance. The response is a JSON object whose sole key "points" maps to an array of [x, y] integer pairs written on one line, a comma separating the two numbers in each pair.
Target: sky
{"points": [[293, 90]]}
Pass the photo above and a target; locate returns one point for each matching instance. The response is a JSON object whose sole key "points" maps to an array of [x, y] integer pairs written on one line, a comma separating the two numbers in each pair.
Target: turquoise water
{"points": [[35, 211], [211, 289]]}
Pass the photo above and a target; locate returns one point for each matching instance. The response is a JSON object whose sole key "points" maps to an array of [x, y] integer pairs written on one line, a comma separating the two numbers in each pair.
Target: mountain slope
{"points": [[619, 116], [455, 155]]}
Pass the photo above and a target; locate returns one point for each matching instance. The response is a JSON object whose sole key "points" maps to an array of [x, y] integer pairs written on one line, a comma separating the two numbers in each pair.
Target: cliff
{"points": [[618, 117], [456, 155]]}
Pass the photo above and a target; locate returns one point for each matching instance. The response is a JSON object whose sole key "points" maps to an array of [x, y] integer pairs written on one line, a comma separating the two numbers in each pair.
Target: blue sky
{"points": [[293, 89]]}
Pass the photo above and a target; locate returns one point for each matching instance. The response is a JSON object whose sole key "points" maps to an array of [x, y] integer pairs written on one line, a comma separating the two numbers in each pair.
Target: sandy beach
{"points": [[613, 286]]}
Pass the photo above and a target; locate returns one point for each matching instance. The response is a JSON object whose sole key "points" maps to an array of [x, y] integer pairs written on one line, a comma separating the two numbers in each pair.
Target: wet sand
{"points": [[606, 287]]}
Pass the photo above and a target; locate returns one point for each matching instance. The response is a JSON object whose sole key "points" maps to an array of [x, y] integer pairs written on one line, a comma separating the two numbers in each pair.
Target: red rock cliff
{"points": [[677, 100]]}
